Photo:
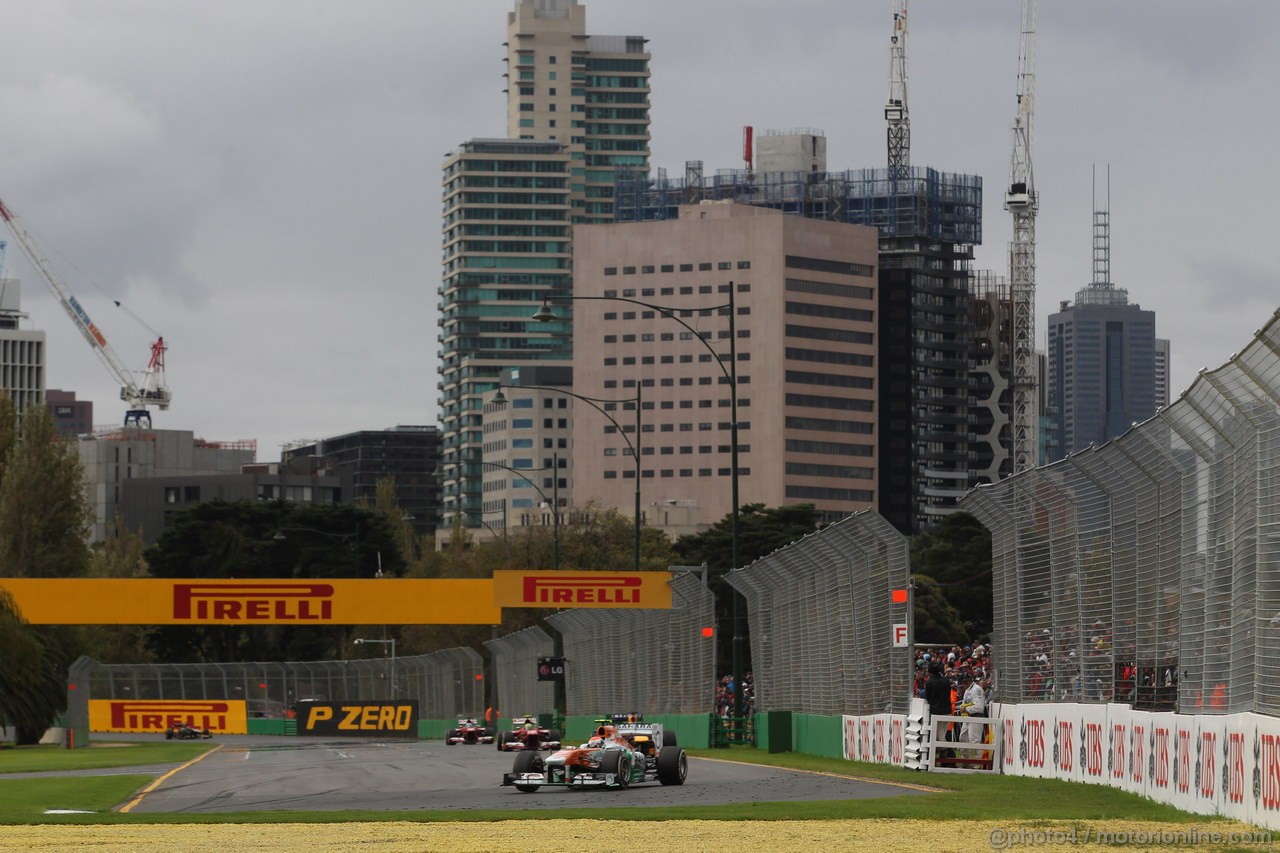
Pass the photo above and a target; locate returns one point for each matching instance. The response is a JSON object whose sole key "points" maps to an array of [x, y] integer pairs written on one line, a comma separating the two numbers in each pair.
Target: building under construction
{"points": [[929, 222]]}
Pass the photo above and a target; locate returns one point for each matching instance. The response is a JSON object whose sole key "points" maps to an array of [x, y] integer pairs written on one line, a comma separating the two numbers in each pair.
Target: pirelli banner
{"points": [[646, 590], [148, 601], [365, 719], [219, 716]]}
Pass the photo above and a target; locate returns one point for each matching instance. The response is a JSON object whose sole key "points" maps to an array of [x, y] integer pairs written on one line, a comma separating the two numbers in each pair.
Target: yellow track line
{"points": [[147, 790], [911, 786]]}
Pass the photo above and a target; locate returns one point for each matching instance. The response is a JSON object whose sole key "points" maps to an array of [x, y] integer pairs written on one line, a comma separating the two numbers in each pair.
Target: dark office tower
{"points": [[409, 454], [1102, 354], [577, 114]]}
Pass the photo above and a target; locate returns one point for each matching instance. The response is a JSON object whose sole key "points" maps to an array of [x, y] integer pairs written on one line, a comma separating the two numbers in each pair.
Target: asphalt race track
{"points": [[261, 773]]}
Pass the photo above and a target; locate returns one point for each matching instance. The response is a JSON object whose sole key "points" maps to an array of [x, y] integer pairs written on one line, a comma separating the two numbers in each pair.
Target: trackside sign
{"points": [[221, 716], [648, 590], [172, 601], [365, 719]]}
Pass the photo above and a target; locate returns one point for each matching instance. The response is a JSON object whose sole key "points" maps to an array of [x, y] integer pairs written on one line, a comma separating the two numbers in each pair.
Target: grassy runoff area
{"points": [[964, 797]]}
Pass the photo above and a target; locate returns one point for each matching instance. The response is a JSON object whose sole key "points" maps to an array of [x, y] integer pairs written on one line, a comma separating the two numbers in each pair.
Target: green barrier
{"points": [[263, 726], [818, 735], [774, 731]]}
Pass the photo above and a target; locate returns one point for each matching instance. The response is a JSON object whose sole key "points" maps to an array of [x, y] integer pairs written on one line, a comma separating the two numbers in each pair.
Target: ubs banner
{"points": [[186, 601], [220, 716], [1208, 764], [364, 719]]}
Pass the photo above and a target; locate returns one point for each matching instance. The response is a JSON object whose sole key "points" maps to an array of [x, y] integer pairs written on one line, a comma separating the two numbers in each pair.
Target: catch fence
{"points": [[444, 683], [516, 689], [821, 615], [651, 661], [1147, 569]]}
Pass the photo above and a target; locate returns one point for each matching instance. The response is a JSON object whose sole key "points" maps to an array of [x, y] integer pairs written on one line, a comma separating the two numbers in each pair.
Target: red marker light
{"points": [[708, 632], [899, 596]]}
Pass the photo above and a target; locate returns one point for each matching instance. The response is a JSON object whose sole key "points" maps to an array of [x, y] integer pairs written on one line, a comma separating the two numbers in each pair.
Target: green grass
{"points": [[23, 801], [35, 759]]}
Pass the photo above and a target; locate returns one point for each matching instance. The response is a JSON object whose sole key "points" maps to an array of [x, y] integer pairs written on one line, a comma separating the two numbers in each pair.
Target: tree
{"points": [[761, 531], [957, 556], [936, 620], [44, 519], [44, 511], [268, 540]]}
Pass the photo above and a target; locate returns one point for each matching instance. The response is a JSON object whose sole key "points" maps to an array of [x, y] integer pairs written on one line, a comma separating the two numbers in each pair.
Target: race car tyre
{"points": [[528, 762], [552, 734], [668, 738], [673, 766], [168, 734], [500, 740], [617, 764]]}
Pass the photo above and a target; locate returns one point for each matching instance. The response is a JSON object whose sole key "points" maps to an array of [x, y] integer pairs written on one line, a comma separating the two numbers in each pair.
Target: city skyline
{"points": [[278, 220]]}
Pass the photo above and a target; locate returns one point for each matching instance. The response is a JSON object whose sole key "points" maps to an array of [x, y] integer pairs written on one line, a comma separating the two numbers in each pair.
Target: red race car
{"points": [[468, 731], [526, 734]]}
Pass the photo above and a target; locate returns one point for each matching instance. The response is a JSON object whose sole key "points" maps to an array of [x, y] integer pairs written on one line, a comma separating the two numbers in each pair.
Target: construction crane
{"points": [[1022, 202], [895, 110], [152, 391]]}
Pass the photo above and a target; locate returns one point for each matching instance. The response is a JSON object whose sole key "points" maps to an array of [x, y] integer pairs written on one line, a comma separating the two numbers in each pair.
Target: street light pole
{"points": [[555, 499], [392, 678], [545, 315], [595, 402]]}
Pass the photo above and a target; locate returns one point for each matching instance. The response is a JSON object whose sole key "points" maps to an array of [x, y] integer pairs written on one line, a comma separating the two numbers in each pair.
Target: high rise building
{"points": [[577, 115], [806, 305], [1107, 370], [22, 350], [928, 223], [71, 417], [409, 454]]}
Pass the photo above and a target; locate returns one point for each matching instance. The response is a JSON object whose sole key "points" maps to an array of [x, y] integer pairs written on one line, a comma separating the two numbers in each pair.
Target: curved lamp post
{"points": [[392, 685], [546, 315], [500, 399], [554, 501]]}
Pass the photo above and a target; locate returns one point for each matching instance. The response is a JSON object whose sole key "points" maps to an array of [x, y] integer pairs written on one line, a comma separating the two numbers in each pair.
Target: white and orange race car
{"points": [[616, 756]]}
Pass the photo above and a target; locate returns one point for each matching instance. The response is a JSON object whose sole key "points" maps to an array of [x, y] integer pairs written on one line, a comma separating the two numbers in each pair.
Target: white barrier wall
{"points": [[878, 738], [1206, 764]]}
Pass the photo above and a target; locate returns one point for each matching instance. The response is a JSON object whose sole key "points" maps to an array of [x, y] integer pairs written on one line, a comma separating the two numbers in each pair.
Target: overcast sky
{"points": [[260, 181]]}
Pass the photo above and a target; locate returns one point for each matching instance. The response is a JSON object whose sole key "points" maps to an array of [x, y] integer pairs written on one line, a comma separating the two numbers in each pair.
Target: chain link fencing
{"points": [[1147, 569], [821, 617], [516, 689], [651, 661]]}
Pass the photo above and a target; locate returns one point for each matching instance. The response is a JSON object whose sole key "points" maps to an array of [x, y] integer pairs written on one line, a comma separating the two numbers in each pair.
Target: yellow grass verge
{"points": [[559, 836]]}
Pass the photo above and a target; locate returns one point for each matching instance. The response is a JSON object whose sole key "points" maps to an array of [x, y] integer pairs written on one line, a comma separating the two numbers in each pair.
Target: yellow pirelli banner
{"points": [[220, 716], [647, 590], [154, 601]]}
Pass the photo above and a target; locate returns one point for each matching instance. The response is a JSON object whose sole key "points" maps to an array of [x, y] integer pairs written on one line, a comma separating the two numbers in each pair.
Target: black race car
{"points": [[185, 731]]}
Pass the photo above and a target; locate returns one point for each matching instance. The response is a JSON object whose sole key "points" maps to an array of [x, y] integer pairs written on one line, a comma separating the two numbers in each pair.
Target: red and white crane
{"points": [[151, 390], [1021, 201]]}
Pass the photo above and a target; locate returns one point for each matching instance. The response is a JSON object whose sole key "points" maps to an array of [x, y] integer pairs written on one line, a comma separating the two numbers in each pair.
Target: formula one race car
{"points": [[616, 756], [468, 731], [183, 731], [526, 734]]}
